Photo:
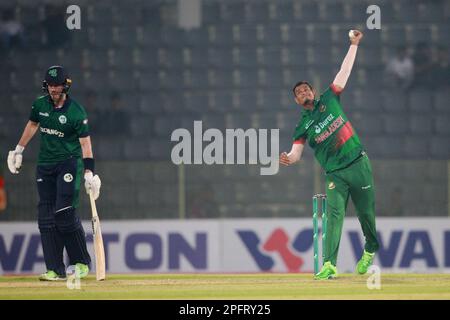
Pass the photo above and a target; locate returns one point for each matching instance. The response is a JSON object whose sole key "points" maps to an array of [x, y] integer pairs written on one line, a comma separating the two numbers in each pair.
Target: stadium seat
{"points": [[416, 147], [146, 58], [277, 11], [394, 101], [141, 127], [134, 149], [148, 36], [244, 56], [269, 100], [405, 13], [193, 57], [218, 57], [220, 35], [372, 124], [195, 101], [420, 100], [232, 12], [441, 99], [306, 11], [171, 37], [213, 121], [164, 125], [441, 125], [195, 78], [396, 124], [195, 37], [150, 103], [393, 35], [210, 12], [257, 12], [421, 124], [238, 120], [444, 33], [440, 148], [431, 12], [334, 12], [109, 148]]}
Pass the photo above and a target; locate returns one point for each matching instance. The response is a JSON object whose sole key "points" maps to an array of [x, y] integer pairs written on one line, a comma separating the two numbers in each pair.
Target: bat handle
{"points": [[93, 206]]}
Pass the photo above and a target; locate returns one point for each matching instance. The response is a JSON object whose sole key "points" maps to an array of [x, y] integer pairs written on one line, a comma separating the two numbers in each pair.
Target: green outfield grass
{"points": [[231, 286]]}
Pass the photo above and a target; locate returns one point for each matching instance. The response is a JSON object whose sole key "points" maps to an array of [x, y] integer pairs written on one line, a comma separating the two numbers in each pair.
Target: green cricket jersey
{"points": [[59, 128], [329, 133]]}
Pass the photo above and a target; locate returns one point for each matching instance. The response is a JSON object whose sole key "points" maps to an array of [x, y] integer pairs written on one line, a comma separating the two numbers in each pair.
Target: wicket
{"points": [[316, 199]]}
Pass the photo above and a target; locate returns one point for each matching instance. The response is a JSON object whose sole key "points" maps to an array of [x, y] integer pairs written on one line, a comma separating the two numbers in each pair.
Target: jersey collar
{"points": [[65, 105]]}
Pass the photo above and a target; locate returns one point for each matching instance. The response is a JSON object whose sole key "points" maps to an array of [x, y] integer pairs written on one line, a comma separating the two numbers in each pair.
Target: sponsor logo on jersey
{"points": [[317, 129], [308, 124], [62, 119], [330, 130], [44, 114], [68, 177], [331, 186], [52, 132], [323, 124]]}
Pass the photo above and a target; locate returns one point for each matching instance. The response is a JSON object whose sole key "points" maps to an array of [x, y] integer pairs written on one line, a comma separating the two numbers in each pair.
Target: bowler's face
{"points": [[303, 93]]}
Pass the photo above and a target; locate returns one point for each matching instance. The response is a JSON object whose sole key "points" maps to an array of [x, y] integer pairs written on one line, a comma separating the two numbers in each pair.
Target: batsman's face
{"points": [[303, 94], [55, 91]]}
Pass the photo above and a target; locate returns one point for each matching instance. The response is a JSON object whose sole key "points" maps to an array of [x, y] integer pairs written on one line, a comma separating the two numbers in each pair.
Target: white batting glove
{"points": [[93, 183], [15, 159]]}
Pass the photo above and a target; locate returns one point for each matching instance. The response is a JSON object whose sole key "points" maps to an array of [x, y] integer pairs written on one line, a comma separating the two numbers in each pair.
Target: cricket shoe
{"points": [[81, 270], [328, 272], [365, 262], [51, 276]]}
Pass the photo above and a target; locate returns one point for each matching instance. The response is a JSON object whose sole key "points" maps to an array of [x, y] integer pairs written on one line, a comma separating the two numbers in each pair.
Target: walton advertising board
{"points": [[238, 245]]}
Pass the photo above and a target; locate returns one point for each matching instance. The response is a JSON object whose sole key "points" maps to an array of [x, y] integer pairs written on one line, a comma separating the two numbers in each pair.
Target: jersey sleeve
{"points": [[299, 135], [34, 114], [332, 93], [81, 125]]}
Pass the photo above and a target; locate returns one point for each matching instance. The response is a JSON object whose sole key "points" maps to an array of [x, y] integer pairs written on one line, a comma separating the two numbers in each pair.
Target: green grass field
{"points": [[231, 286]]}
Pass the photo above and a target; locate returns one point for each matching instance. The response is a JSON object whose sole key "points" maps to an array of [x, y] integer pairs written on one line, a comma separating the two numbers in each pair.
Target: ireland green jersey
{"points": [[329, 133], [60, 129]]}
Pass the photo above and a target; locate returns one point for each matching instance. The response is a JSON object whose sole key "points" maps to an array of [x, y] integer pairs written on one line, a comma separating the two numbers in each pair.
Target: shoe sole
{"points": [[331, 277], [57, 279]]}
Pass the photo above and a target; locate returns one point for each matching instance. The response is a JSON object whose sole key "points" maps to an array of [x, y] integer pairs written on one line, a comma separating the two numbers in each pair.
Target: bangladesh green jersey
{"points": [[60, 129], [329, 133]]}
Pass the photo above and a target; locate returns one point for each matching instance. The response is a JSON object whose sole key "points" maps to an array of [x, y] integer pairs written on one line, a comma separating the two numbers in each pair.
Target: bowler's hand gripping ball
{"points": [[352, 34]]}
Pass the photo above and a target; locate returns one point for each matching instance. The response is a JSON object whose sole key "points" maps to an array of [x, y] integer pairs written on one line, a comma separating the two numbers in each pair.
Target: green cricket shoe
{"points": [[51, 276], [81, 270], [328, 272], [365, 262]]}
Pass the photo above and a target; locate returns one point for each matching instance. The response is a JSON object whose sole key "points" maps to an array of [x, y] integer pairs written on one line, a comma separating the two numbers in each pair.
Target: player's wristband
{"points": [[19, 149], [89, 164]]}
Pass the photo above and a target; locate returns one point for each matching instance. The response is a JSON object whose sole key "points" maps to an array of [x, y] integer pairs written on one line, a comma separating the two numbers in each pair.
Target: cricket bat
{"points": [[100, 268]]}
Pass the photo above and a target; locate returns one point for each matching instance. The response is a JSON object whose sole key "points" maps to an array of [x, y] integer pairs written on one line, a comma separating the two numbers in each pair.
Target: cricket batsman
{"points": [[340, 153], [65, 156]]}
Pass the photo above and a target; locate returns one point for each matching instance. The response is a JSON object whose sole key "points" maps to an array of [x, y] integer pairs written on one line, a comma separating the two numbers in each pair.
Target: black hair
{"points": [[300, 83]]}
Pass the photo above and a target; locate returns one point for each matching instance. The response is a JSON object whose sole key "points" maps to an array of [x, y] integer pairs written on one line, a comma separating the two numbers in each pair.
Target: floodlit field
{"points": [[230, 286]]}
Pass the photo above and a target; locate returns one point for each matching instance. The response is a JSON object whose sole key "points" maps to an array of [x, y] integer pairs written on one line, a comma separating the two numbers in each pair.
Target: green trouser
{"points": [[356, 181]]}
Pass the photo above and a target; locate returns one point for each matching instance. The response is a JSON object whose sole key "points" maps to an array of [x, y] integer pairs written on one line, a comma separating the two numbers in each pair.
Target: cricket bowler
{"points": [[65, 156], [340, 153]]}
